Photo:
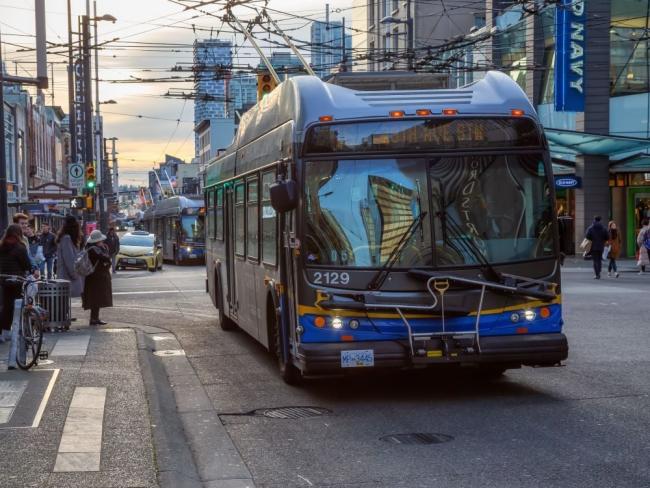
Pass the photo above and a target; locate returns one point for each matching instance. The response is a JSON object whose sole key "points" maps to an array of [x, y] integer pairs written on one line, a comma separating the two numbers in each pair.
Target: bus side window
{"points": [[240, 212], [218, 231], [252, 218], [210, 206], [269, 221]]}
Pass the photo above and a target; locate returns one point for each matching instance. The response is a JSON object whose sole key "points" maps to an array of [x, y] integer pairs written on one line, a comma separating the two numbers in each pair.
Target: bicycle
{"points": [[31, 317]]}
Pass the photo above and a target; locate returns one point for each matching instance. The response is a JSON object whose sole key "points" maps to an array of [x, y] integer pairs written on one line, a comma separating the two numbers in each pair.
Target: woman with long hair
{"points": [[614, 243], [14, 260], [68, 242]]}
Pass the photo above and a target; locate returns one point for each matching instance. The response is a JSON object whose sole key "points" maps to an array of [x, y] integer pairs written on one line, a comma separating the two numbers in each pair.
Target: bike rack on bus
{"points": [[437, 285]]}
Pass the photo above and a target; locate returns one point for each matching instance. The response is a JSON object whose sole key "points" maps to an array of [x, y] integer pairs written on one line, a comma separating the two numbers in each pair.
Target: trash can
{"points": [[54, 296]]}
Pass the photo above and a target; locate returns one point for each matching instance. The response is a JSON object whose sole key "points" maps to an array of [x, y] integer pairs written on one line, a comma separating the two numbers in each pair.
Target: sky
{"points": [[144, 140]]}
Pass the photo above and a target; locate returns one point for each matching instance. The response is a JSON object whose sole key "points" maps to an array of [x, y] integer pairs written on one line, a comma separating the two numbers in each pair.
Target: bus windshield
{"points": [[495, 208], [191, 228]]}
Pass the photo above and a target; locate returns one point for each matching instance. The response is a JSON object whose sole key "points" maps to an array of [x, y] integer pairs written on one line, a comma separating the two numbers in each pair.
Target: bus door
{"points": [[229, 233]]}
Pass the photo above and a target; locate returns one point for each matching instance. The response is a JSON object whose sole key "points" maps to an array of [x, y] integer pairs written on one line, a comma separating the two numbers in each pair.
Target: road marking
{"points": [[46, 397], [150, 292], [81, 443], [10, 393], [76, 345]]}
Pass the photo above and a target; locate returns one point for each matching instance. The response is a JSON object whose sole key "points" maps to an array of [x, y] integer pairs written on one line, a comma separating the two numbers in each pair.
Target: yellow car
{"points": [[139, 249]]}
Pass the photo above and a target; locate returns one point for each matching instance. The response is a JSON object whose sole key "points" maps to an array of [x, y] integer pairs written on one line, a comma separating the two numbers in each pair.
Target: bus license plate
{"points": [[358, 359], [131, 261]]}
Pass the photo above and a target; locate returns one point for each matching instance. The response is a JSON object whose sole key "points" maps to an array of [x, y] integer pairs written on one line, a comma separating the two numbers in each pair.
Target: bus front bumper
{"points": [[529, 350]]}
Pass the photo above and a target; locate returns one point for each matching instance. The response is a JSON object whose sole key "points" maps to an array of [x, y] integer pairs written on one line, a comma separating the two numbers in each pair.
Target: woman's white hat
{"points": [[96, 236]]}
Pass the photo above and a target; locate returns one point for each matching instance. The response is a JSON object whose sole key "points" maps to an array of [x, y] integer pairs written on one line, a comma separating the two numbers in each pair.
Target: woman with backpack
{"points": [[643, 241], [98, 291], [68, 241]]}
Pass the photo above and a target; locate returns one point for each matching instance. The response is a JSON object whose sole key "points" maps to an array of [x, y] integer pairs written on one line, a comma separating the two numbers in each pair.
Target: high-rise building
{"points": [[327, 47], [213, 120], [243, 92]]}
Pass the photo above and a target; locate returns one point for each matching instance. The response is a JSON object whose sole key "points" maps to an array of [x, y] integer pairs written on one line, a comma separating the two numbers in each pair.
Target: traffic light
{"points": [[265, 84], [90, 177], [89, 202]]}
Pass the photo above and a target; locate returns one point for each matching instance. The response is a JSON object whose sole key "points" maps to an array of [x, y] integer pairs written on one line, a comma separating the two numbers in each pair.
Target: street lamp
{"points": [[107, 17], [389, 19], [108, 102]]}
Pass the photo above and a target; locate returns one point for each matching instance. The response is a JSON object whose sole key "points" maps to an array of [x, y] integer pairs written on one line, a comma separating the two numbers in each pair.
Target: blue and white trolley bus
{"points": [[370, 229], [178, 223]]}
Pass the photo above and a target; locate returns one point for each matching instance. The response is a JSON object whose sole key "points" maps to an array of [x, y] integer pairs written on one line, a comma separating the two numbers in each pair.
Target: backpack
{"points": [[82, 264], [646, 239]]}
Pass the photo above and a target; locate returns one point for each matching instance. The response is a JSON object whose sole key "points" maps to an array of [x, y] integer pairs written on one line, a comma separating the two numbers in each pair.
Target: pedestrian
{"points": [[643, 241], [48, 243], [113, 243], [614, 243], [598, 236], [98, 292], [34, 249], [68, 241], [14, 260], [22, 220]]}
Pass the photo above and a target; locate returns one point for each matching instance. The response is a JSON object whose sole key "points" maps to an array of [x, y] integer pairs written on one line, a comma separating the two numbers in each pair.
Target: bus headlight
{"points": [[337, 323], [188, 249], [514, 317], [354, 324], [150, 253], [529, 315]]}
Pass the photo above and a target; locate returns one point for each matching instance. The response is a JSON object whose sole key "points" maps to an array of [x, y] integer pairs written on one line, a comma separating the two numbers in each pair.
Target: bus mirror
{"points": [[284, 195]]}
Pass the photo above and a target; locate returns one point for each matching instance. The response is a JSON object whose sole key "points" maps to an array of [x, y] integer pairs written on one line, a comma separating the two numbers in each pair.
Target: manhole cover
{"points": [[292, 412], [170, 352], [416, 438]]}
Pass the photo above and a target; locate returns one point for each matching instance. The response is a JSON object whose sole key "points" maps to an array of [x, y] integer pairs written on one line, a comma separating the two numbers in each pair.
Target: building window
{"points": [[218, 231], [629, 62], [240, 221], [269, 221], [252, 218]]}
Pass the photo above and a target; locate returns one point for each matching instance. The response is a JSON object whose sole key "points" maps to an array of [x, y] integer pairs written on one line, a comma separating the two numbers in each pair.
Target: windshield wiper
{"points": [[468, 246], [382, 273]]}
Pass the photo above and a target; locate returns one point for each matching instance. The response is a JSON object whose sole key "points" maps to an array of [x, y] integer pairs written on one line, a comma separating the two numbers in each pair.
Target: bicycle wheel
{"points": [[31, 340]]}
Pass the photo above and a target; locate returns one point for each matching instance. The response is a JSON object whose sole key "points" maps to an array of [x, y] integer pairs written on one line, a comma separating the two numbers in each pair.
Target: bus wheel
{"points": [[288, 372], [225, 322], [491, 372]]}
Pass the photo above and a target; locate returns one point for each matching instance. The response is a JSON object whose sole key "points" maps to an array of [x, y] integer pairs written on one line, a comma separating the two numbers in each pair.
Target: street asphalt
{"points": [[184, 397]]}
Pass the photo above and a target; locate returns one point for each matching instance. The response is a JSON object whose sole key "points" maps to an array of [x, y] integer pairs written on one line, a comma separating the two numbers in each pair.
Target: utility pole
{"points": [[41, 81], [99, 156], [116, 176], [410, 48], [72, 119]]}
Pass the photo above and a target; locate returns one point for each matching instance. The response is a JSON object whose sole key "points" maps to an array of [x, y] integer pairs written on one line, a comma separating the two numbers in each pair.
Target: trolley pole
{"points": [[4, 205]]}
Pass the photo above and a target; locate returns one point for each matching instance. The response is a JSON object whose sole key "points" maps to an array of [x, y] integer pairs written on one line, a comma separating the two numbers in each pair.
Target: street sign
{"points": [[78, 203], [76, 175]]}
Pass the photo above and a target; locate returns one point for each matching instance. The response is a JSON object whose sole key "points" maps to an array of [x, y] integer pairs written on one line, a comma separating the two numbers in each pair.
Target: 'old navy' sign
{"points": [[568, 182], [570, 22]]}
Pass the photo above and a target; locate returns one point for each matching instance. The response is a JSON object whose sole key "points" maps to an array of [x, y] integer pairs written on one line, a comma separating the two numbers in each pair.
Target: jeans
{"points": [[597, 256], [49, 264], [113, 262], [612, 265]]}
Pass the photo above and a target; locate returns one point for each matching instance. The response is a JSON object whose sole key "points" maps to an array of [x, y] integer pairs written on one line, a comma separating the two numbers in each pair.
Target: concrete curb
{"points": [[193, 448]]}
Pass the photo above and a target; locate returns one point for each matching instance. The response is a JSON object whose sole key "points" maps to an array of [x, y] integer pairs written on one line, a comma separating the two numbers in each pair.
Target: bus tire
{"points": [[289, 373], [491, 372], [225, 322]]}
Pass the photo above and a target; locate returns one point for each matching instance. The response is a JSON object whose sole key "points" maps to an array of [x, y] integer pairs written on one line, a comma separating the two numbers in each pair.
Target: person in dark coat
{"points": [[68, 243], [598, 235], [113, 243], [48, 242], [14, 260], [98, 291]]}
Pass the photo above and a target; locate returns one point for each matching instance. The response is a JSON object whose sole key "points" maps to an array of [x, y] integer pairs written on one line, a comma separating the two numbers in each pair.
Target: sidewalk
{"points": [[79, 419], [578, 264]]}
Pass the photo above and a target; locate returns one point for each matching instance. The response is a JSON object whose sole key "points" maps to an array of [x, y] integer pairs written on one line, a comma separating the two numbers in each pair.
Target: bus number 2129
{"points": [[331, 278]]}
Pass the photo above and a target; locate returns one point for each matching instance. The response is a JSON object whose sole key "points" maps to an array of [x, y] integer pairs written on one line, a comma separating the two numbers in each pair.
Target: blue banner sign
{"points": [[570, 20], [568, 182]]}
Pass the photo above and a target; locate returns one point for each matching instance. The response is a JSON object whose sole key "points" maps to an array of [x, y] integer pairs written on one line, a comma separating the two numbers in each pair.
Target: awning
{"points": [[639, 163], [567, 143]]}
